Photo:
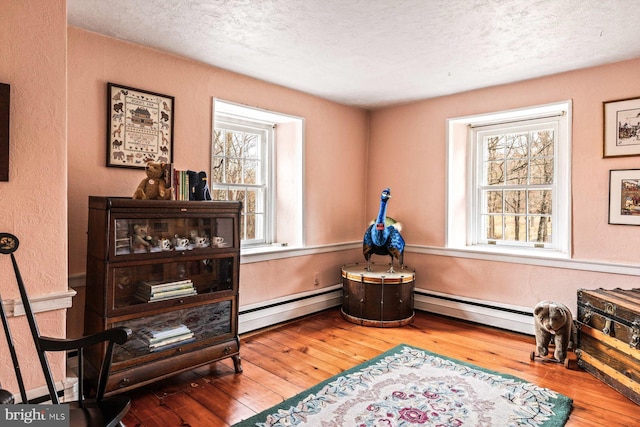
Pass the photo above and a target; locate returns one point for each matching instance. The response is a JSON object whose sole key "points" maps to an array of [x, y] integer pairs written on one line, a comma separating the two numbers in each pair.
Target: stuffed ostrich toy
{"points": [[383, 236]]}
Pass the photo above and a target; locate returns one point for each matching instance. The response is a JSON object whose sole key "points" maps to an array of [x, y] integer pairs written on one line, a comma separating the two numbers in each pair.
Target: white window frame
{"points": [[266, 181], [463, 163], [284, 222]]}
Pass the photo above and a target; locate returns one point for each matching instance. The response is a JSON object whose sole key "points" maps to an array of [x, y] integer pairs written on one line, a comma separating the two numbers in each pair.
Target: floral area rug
{"points": [[408, 386]]}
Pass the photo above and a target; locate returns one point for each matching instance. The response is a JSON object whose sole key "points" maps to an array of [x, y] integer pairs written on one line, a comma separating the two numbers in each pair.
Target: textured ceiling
{"points": [[372, 53]]}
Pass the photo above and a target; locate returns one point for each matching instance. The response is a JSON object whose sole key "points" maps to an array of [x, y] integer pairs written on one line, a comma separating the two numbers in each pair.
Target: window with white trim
{"points": [[241, 153], [255, 155], [513, 189]]}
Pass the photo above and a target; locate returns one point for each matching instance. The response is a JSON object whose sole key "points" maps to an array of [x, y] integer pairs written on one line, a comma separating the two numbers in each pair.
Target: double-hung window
{"points": [[509, 181], [240, 165], [515, 184], [257, 158]]}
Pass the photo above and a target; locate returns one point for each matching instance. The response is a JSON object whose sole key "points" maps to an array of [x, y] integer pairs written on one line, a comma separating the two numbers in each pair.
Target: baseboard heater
{"points": [[270, 313], [504, 316]]}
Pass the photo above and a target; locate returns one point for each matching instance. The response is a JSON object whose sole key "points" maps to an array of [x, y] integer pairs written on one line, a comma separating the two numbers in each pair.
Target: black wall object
{"points": [[4, 132]]}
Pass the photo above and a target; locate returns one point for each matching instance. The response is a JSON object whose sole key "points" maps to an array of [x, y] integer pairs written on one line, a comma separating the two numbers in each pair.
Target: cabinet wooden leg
{"points": [[237, 364]]}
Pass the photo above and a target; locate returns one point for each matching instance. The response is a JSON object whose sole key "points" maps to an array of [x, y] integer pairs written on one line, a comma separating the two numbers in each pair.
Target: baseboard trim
{"points": [[270, 313], [503, 316], [67, 391]]}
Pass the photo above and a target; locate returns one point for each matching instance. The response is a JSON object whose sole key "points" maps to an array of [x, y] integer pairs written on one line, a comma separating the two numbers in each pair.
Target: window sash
{"points": [[253, 185], [512, 160]]}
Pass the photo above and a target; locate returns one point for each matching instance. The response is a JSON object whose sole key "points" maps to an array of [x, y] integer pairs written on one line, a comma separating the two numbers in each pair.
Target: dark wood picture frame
{"points": [[624, 196], [5, 98], [139, 127], [621, 125]]}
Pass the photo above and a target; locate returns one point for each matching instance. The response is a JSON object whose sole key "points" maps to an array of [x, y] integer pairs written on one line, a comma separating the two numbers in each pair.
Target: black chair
{"points": [[95, 411]]}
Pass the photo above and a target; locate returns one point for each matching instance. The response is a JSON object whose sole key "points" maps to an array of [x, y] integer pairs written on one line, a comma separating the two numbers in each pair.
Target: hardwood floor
{"points": [[285, 360]]}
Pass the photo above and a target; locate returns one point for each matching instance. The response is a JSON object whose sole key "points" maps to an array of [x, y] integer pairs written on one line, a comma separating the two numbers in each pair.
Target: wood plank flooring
{"points": [[285, 360]]}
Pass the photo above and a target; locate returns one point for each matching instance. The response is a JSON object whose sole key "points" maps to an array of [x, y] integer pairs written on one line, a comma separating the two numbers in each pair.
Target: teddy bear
{"points": [[154, 186], [553, 319], [141, 238]]}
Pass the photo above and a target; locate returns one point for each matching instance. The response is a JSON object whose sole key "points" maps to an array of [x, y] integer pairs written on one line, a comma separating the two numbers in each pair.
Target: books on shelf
{"points": [[187, 184], [151, 291], [178, 180], [163, 339]]}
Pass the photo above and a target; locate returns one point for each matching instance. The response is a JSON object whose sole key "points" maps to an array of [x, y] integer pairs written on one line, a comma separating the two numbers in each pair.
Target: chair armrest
{"points": [[119, 335]]}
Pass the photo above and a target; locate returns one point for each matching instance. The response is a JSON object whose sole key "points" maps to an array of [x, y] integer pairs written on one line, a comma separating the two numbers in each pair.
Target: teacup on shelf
{"points": [[201, 242], [164, 244], [180, 243], [219, 242]]}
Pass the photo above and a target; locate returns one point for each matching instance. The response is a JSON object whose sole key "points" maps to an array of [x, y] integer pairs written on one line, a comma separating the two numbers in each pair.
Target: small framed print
{"points": [[139, 127], [624, 196], [622, 128]]}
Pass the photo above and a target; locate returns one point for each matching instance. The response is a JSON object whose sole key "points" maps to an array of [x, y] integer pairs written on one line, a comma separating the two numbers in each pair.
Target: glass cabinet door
{"points": [[186, 327], [157, 282], [152, 235]]}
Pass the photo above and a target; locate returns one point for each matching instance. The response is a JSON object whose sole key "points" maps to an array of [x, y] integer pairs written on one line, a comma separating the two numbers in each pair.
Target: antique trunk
{"points": [[609, 338]]}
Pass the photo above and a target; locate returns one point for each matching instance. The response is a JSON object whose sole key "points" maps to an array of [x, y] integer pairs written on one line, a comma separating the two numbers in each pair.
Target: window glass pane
{"points": [[494, 147], [493, 201], [217, 171], [542, 143], [493, 226], [217, 175], [517, 171], [517, 145], [237, 195], [233, 171], [251, 146], [251, 171], [515, 228], [235, 144], [219, 194], [540, 229], [515, 201], [218, 142], [494, 173], [542, 170], [250, 226], [540, 202], [251, 202]]}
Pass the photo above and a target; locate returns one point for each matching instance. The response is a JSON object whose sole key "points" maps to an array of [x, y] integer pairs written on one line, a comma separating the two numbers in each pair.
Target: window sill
{"points": [[512, 251], [273, 252]]}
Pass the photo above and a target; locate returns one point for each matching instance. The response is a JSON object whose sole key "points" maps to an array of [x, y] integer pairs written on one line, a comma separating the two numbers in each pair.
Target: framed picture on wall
{"points": [[622, 128], [4, 131], [624, 196], [139, 127]]}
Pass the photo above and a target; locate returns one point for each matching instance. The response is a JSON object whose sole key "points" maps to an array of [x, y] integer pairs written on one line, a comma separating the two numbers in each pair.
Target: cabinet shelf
{"points": [[178, 278]]}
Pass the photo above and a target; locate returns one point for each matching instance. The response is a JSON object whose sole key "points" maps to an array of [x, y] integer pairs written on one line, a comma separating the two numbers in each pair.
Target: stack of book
{"points": [[187, 184], [160, 291], [166, 338]]}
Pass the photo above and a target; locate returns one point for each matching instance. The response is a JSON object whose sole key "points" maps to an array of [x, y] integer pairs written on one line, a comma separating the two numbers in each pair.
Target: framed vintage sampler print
{"points": [[139, 127]]}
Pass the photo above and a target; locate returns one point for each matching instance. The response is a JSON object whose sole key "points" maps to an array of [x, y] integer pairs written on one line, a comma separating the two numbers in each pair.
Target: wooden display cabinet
{"points": [[176, 287]]}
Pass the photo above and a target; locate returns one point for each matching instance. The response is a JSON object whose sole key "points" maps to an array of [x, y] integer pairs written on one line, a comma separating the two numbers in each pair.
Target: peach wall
{"points": [[335, 147], [415, 133], [33, 203]]}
